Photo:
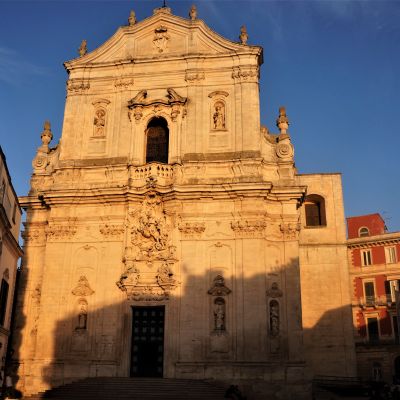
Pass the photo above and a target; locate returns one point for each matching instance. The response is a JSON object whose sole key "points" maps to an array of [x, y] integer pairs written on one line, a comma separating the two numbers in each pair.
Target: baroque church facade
{"points": [[169, 233]]}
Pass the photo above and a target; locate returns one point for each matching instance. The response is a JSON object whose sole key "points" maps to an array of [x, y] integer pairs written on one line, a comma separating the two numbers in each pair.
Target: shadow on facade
{"points": [[245, 331]]}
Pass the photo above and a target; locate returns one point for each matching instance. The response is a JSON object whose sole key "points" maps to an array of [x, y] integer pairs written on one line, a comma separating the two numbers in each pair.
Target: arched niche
{"points": [[157, 140], [315, 211]]}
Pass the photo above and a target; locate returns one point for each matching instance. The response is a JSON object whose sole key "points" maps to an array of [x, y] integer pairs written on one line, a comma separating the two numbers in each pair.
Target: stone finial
{"points": [[82, 48], [46, 135], [282, 121], [132, 18], [243, 35], [193, 12]]}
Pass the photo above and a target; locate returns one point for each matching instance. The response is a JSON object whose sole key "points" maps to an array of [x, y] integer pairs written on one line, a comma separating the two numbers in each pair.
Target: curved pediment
{"points": [[162, 36]]}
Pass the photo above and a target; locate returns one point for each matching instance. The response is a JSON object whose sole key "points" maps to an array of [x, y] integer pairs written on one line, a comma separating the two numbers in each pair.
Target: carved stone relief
{"points": [[250, 228], [274, 291], [149, 231], [161, 39], [290, 230], [82, 289], [58, 231], [241, 74], [149, 254], [35, 234], [112, 230], [125, 82], [172, 103], [218, 287], [192, 228], [77, 86], [193, 76]]}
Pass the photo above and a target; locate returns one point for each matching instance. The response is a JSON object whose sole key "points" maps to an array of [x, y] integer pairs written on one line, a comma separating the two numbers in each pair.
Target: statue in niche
{"points": [[99, 122], [219, 314], [219, 115], [82, 316], [274, 318]]}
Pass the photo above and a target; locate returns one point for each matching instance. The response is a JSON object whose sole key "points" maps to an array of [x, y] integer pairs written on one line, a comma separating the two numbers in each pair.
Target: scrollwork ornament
{"points": [[284, 150]]}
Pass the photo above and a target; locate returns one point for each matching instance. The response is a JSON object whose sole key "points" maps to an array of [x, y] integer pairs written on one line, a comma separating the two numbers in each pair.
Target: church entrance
{"points": [[147, 341]]}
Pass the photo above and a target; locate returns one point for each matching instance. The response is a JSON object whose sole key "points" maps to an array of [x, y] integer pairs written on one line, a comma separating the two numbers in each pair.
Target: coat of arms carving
{"points": [[161, 38]]}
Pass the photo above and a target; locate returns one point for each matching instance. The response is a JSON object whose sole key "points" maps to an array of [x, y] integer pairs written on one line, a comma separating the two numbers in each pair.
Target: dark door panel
{"points": [[147, 341]]}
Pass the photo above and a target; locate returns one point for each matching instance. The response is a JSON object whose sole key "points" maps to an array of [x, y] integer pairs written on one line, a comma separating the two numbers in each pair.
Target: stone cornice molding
{"points": [[378, 240], [121, 195], [222, 46]]}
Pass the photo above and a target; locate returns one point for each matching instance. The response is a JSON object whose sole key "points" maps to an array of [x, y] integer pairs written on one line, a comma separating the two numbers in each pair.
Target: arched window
{"points": [[157, 137], [315, 210], [363, 232]]}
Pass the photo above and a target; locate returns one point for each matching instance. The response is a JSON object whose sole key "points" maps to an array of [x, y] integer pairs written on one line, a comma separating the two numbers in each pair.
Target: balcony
{"points": [[375, 301], [152, 174]]}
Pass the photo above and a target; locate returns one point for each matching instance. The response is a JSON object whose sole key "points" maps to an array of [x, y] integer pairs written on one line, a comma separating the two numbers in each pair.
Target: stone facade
{"points": [[166, 192], [10, 252]]}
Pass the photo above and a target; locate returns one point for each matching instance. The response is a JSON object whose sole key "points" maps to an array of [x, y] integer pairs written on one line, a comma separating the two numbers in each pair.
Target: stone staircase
{"points": [[134, 389]]}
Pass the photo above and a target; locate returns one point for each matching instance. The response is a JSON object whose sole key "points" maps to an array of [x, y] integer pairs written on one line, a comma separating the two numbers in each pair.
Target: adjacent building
{"points": [[169, 234], [375, 274], [10, 252]]}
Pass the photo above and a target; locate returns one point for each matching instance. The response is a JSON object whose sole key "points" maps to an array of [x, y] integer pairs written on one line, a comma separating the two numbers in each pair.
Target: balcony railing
{"points": [[375, 301]]}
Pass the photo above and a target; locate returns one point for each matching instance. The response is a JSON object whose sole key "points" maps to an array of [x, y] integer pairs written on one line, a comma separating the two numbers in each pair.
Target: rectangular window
{"points": [[369, 292], [394, 286], [366, 257], [390, 253], [3, 301], [373, 330]]}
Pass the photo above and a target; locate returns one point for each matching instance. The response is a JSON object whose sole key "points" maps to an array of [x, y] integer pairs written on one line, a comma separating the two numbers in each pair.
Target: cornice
{"points": [[222, 191], [377, 240], [228, 47]]}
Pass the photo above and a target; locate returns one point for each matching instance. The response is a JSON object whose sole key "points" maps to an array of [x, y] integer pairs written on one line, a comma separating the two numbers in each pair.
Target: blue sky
{"points": [[335, 65]]}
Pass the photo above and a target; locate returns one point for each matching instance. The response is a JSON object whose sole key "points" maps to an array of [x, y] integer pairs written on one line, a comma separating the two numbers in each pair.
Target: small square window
{"points": [[366, 257]]}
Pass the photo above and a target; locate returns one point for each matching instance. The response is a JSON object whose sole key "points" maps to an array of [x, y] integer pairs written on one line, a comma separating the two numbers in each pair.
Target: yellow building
{"points": [[162, 234]]}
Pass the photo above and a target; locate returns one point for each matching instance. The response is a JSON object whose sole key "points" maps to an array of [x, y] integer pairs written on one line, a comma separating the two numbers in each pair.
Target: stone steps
{"points": [[134, 389]]}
